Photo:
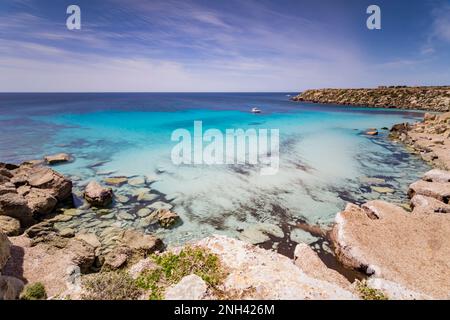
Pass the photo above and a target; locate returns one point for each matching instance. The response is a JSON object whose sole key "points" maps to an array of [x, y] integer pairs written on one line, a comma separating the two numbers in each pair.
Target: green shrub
{"points": [[114, 285], [368, 293], [173, 267], [34, 291]]}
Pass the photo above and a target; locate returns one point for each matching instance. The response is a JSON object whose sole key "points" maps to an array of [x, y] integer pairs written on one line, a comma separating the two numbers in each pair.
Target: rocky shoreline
{"points": [[404, 253], [401, 97]]}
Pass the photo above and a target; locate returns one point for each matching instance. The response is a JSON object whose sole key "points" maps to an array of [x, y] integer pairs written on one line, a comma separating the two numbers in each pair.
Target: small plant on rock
{"points": [[113, 285], [34, 291], [172, 267], [368, 293]]}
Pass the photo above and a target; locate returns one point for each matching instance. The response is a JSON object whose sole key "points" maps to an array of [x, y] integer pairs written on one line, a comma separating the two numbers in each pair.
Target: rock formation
{"points": [[413, 98], [97, 195], [429, 138], [28, 192]]}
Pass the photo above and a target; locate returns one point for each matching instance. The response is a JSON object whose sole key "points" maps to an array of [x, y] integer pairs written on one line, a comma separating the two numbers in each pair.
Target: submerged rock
{"points": [[138, 181], [167, 218], [382, 189], [97, 195], [259, 233], [116, 181]]}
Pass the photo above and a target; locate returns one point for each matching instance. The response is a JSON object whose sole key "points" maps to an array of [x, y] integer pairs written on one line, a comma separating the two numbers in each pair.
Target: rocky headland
{"points": [[401, 97], [403, 252]]}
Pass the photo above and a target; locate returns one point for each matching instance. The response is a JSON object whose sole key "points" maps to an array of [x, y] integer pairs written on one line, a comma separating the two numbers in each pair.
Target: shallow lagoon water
{"points": [[325, 159]]}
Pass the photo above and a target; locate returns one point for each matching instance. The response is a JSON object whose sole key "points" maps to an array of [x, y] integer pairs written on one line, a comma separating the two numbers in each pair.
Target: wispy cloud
{"points": [[185, 45]]}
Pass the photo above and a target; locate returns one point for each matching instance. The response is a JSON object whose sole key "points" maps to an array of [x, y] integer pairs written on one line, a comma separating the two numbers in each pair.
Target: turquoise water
{"points": [[325, 158]]}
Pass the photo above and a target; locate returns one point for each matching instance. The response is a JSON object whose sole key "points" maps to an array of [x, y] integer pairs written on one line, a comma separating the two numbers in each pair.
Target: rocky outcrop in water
{"points": [[97, 195], [423, 98]]}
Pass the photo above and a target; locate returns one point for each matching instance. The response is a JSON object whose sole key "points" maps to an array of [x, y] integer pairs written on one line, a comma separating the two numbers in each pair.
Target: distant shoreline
{"points": [[435, 99]]}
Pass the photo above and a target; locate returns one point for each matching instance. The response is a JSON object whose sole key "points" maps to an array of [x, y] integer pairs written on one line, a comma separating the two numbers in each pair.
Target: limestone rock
{"points": [[46, 178], [117, 258], [10, 288], [167, 218], [14, 205], [437, 190], [255, 273], [309, 262], [426, 205], [138, 181], [97, 195], [57, 158], [402, 97], [40, 201], [437, 175], [138, 242], [191, 287], [141, 266], [5, 251], [116, 181], [411, 250], [52, 266], [9, 226]]}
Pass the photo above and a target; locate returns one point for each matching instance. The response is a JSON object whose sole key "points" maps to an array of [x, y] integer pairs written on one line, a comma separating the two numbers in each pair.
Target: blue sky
{"points": [[218, 45]]}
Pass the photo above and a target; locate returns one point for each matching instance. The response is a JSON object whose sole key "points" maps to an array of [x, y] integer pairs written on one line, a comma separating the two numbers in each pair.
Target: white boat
{"points": [[256, 110]]}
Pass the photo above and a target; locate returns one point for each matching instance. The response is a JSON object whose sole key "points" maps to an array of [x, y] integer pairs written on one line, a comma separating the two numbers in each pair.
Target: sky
{"points": [[221, 45]]}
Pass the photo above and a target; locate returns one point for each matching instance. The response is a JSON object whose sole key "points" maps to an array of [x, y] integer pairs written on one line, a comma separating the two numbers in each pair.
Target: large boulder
{"points": [[40, 201], [97, 195], [31, 190], [45, 178], [14, 205], [406, 253]]}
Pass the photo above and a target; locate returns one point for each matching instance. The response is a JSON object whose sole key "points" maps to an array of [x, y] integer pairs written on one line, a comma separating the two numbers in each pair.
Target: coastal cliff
{"points": [[414, 98]]}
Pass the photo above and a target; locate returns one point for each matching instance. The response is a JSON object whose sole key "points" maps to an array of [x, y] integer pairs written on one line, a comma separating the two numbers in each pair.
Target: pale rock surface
{"points": [[191, 287], [309, 262], [47, 264], [410, 250], [10, 288], [255, 273]]}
